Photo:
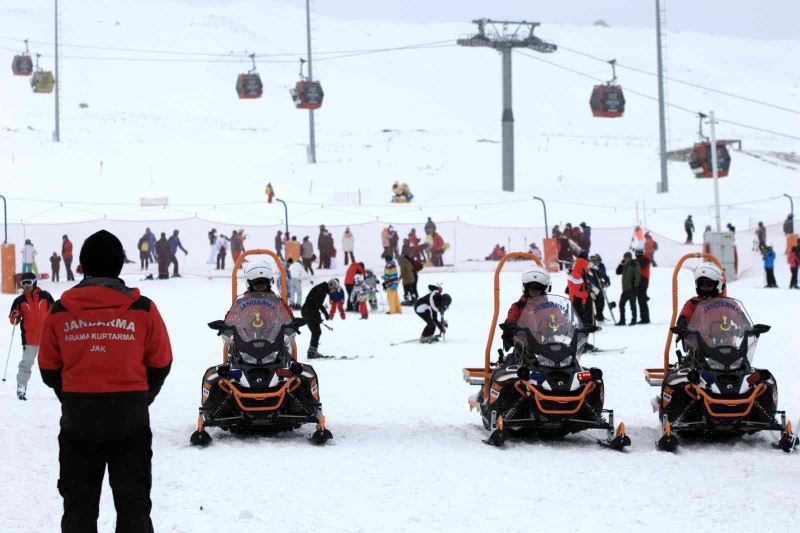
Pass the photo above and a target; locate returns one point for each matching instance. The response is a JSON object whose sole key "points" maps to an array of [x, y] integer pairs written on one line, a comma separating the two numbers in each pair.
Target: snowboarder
{"points": [[55, 266], [644, 283], [66, 254], [336, 298], [105, 378], [768, 256], [631, 278], [312, 307], [174, 245], [390, 283], [29, 310], [431, 308], [688, 226]]}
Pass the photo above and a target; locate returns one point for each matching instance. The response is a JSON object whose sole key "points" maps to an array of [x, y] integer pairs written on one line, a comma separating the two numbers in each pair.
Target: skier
{"points": [[390, 283], [641, 291], [708, 284], [55, 266], [174, 245], [106, 353], [431, 308], [66, 254], [578, 291], [312, 307], [535, 282], [688, 226], [162, 252], [598, 279], [768, 256], [371, 282], [361, 295], [337, 301], [294, 287], [29, 310], [631, 277]]}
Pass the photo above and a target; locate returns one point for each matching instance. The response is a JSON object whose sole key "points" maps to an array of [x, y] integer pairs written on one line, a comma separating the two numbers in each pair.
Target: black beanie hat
{"points": [[102, 255]]}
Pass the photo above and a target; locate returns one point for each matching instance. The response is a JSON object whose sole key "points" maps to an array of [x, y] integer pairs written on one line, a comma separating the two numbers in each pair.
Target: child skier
{"points": [[337, 301], [371, 282], [391, 280], [431, 308], [361, 295]]}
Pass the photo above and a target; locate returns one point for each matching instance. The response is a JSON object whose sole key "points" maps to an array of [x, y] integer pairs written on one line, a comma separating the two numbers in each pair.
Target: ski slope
{"points": [[407, 453]]}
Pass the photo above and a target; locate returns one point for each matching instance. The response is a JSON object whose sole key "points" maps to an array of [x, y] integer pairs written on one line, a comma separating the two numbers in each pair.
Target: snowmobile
{"points": [[540, 389], [260, 387], [713, 391]]}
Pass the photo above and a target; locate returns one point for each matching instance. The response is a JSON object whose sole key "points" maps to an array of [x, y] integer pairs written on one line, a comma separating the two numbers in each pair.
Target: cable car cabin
{"points": [[22, 65], [700, 160], [249, 85], [307, 94], [607, 101], [42, 81]]}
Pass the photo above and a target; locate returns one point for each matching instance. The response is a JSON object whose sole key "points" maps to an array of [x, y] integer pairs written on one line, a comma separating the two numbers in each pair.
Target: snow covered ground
{"points": [[407, 453]]}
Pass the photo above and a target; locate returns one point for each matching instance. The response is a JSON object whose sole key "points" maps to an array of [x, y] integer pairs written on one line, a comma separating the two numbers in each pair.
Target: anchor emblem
{"points": [[257, 322], [726, 323], [552, 323]]}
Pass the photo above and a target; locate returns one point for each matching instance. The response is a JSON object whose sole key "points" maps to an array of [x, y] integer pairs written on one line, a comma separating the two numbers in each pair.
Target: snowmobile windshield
{"points": [[722, 325], [551, 321], [258, 316]]}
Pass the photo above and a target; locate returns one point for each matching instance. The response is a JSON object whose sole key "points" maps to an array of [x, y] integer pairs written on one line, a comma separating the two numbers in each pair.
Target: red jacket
{"points": [[30, 311], [514, 312], [438, 243], [66, 249], [575, 283], [350, 275]]}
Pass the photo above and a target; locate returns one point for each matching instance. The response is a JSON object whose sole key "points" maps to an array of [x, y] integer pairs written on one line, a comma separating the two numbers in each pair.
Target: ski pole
{"points": [[327, 326], [10, 344]]}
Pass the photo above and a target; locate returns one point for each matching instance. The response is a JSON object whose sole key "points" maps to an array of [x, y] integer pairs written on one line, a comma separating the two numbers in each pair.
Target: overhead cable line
{"points": [[670, 104]]}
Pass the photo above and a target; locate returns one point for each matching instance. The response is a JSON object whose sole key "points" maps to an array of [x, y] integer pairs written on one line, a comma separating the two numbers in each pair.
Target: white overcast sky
{"points": [[761, 19]]}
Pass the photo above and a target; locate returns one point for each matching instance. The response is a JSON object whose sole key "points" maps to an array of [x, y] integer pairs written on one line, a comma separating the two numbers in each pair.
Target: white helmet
{"points": [[709, 271], [260, 270], [358, 278], [538, 275]]}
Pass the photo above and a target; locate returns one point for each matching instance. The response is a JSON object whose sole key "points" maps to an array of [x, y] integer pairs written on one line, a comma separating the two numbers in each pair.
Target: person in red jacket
{"points": [[709, 283], [66, 255], [106, 353], [641, 290], [350, 283], [29, 310], [578, 290]]}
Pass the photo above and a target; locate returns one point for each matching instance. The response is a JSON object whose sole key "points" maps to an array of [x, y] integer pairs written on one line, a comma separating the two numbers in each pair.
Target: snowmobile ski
{"points": [[415, 339], [608, 350], [338, 357]]}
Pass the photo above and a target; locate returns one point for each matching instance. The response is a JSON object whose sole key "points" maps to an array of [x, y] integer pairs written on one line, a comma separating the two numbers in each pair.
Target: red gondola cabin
{"points": [[249, 86], [307, 94], [607, 101], [22, 65], [700, 160]]}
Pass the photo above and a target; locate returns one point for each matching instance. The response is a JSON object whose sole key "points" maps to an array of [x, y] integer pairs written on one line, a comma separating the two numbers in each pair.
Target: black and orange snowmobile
{"points": [[260, 387], [541, 389], [713, 391]]}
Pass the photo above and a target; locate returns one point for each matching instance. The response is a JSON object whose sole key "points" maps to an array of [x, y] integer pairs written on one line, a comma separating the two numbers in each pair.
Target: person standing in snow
{"points": [[29, 310], [578, 290], [391, 281], [55, 266], [761, 235], [361, 296], [386, 243], [28, 257], [644, 283], [212, 246], [430, 227], [279, 244], [307, 253], [174, 245], [650, 247], [348, 246], [295, 283], [336, 298], [437, 249], [688, 226], [66, 254], [144, 252], [222, 251], [162, 252], [794, 263], [394, 239], [788, 225], [325, 248], [586, 242], [371, 283], [598, 281], [151, 242], [768, 256], [105, 378], [631, 278], [312, 307]]}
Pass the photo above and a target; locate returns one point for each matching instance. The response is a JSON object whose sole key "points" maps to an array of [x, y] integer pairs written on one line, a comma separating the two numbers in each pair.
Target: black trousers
{"points": [[173, 259], [793, 279], [351, 306], [82, 467], [771, 277], [628, 296], [688, 236], [430, 325], [410, 292], [641, 298], [313, 321], [350, 256], [221, 260], [584, 311], [68, 268], [599, 306]]}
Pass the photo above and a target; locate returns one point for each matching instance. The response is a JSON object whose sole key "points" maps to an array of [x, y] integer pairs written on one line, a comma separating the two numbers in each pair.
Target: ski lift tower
{"points": [[504, 36]]}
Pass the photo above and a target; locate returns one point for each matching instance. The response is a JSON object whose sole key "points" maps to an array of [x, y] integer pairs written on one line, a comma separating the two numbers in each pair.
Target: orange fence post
{"points": [[8, 268], [551, 255]]}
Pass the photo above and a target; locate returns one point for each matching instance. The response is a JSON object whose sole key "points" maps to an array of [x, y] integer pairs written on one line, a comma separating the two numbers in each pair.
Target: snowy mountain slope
{"points": [[422, 116], [407, 453]]}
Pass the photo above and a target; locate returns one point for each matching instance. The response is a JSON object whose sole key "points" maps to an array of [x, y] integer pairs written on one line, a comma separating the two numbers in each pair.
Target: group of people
{"points": [[218, 245], [162, 251], [571, 242]]}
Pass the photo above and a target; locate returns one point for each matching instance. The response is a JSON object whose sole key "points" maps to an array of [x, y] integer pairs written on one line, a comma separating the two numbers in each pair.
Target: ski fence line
{"points": [[468, 243]]}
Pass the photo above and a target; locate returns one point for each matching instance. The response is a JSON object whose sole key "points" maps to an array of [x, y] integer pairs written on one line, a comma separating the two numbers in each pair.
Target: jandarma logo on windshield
{"points": [[116, 323], [244, 304], [546, 305], [721, 303]]}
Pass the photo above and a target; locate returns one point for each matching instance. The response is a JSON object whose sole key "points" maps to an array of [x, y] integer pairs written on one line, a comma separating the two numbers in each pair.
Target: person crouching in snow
{"points": [[361, 295], [431, 308], [337, 301]]}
